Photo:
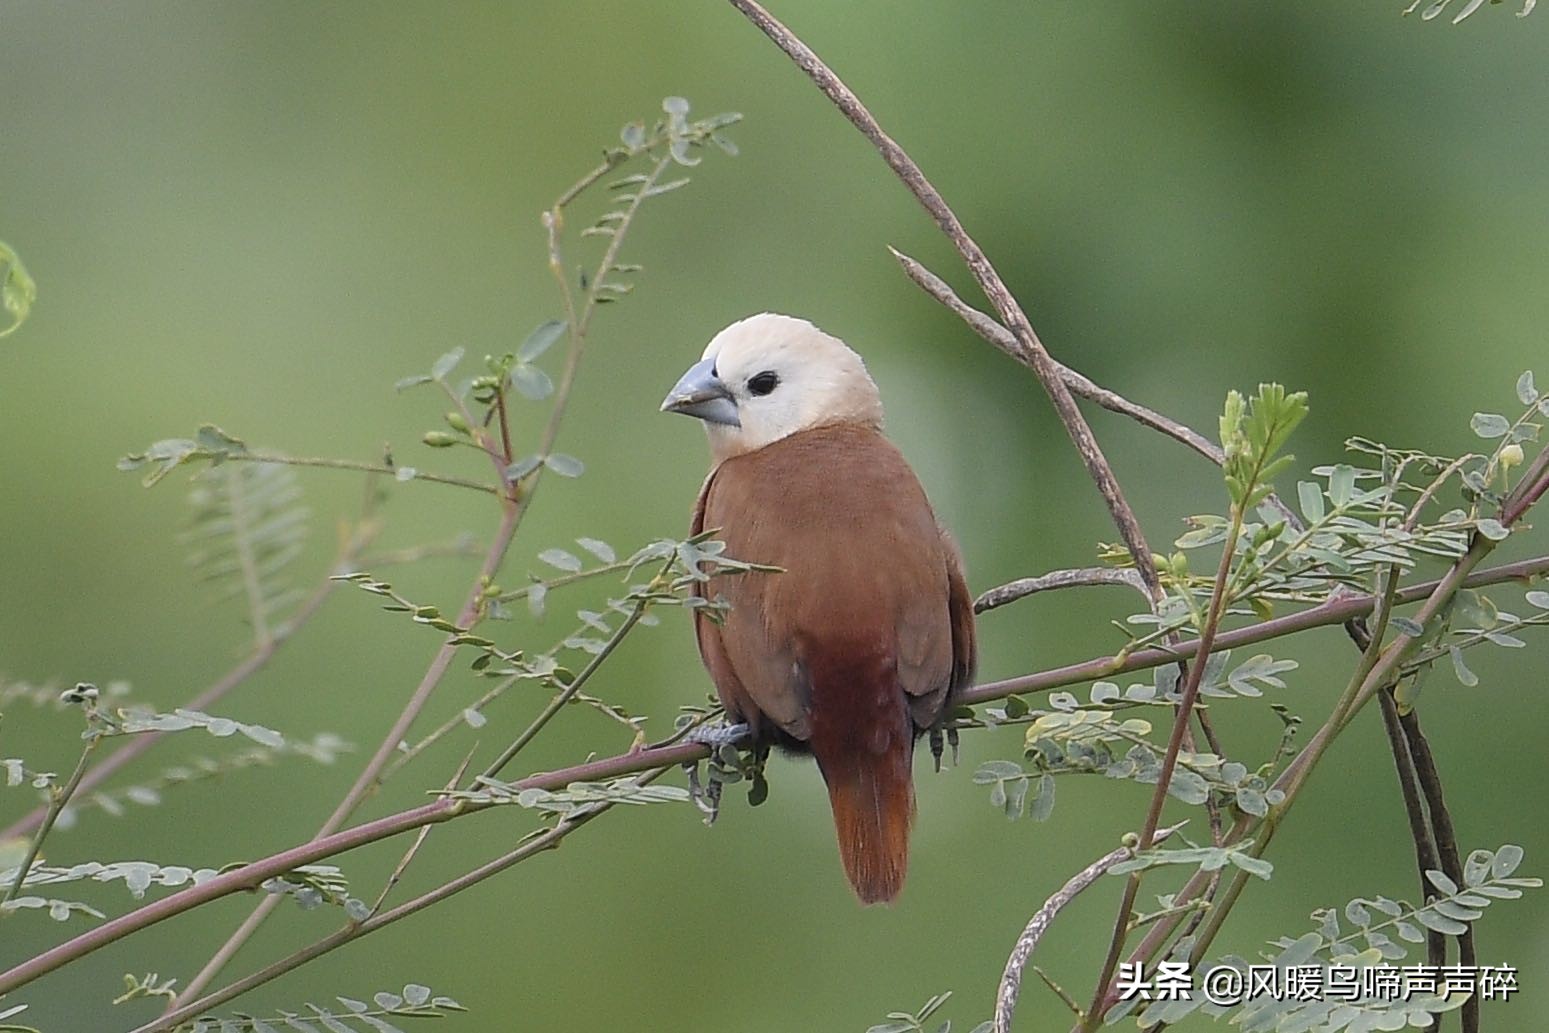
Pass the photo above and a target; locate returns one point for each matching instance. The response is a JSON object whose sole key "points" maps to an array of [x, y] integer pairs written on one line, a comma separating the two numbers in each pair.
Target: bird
{"points": [[861, 641]]}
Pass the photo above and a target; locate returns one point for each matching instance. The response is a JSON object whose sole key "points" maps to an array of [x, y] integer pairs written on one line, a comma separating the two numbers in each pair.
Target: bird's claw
{"points": [[938, 742]]}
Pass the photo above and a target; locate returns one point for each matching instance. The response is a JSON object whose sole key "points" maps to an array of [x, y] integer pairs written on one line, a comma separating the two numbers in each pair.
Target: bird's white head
{"points": [[769, 376]]}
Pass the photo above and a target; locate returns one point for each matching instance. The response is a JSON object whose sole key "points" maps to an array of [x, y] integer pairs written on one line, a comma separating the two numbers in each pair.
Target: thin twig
{"points": [[419, 840], [1011, 979], [568, 693], [984, 273], [351, 464], [1021, 588], [1000, 337], [566, 579], [1531, 488], [579, 320], [56, 803]]}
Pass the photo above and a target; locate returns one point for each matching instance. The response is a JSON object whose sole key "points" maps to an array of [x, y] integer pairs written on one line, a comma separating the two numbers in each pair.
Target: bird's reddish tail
{"points": [[873, 800]]}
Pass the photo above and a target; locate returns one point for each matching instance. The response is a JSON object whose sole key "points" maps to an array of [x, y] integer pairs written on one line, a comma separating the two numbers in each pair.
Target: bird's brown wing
{"points": [[784, 706], [931, 684]]}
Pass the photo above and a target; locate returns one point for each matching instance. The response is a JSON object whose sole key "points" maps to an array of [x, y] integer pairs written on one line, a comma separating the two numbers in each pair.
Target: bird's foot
{"points": [[937, 744], [717, 735], [706, 797]]}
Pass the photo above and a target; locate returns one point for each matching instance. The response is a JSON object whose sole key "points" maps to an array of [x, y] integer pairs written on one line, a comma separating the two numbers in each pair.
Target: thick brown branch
{"points": [[1446, 845], [1414, 809]]}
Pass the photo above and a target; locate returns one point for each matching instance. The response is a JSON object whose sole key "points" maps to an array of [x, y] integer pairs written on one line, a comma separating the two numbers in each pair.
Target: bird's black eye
{"points": [[765, 382]]}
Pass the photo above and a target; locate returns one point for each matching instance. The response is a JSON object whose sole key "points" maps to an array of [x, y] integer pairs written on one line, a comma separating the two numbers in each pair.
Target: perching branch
{"points": [[251, 875]]}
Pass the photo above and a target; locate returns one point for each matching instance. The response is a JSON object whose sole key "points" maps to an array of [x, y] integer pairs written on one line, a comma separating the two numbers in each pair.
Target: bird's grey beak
{"points": [[700, 393]]}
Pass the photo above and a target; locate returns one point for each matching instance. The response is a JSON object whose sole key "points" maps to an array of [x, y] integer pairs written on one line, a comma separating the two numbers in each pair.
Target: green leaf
{"points": [[1043, 803], [445, 364], [664, 188], [1506, 860], [679, 149], [1493, 529], [1527, 394], [543, 338], [1489, 425], [601, 549], [523, 467], [531, 382], [995, 770], [17, 290], [564, 465], [560, 558], [1459, 668], [1255, 866], [1432, 919], [1311, 498], [1341, 484], [1441, 881]]}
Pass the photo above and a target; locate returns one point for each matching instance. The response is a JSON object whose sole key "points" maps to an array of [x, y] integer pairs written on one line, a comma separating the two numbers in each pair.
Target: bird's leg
{"points": [[706, 797], [936, 746], [725, 765], [718, 734]]}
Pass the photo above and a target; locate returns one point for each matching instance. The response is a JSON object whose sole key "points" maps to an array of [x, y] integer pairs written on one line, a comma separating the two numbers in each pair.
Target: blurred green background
{"points": [[262, 215]]}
